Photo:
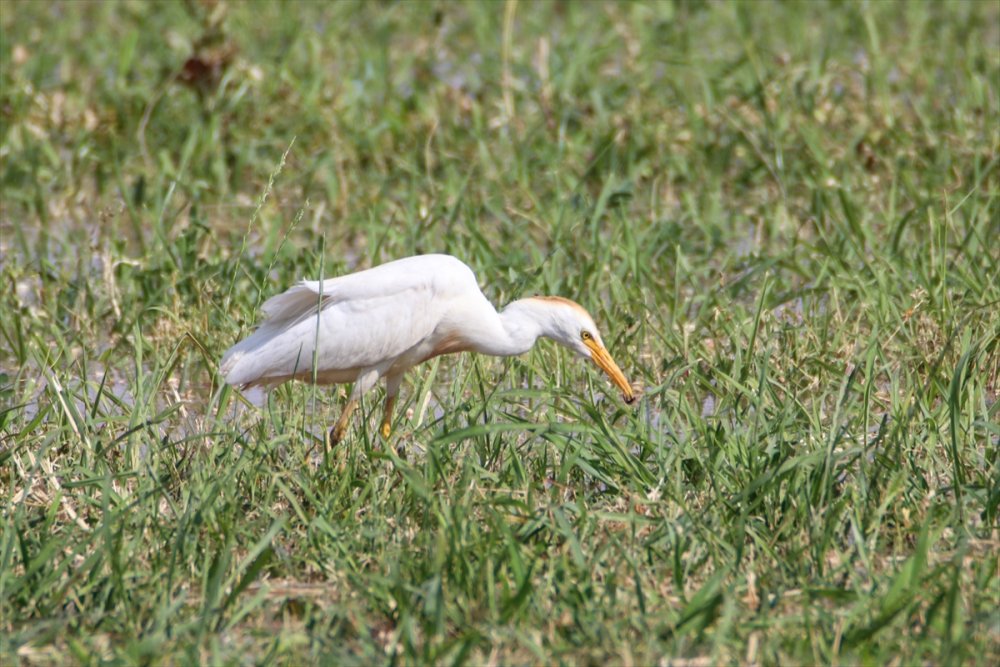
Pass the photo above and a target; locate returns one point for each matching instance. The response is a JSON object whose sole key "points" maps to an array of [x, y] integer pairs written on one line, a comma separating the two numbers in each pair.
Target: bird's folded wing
{"points": [[341, 336], [293, 304], [436, 273], [365, 318], [311, 296]]}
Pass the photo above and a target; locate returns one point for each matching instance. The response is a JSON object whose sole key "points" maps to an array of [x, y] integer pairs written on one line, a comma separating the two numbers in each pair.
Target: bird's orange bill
{"points": [[603, 359]]}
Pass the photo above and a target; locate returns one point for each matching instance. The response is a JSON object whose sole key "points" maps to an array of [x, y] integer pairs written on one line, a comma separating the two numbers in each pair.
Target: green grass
{"points": [[784, 217]]}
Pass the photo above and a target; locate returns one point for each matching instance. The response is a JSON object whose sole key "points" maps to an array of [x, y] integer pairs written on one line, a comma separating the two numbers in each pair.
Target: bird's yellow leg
{"points": [[391, 390], [386, 429], [366, 380], [339, 429]]}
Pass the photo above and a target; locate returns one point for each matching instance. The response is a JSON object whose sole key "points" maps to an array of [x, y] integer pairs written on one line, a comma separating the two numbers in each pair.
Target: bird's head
{"points": [[569, 324]]}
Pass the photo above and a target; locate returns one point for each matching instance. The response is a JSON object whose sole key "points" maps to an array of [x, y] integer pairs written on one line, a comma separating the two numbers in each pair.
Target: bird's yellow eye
{"points": [[585, 335]]}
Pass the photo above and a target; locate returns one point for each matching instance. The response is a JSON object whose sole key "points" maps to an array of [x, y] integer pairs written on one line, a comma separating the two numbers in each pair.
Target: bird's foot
{"points": [[336, 435]]}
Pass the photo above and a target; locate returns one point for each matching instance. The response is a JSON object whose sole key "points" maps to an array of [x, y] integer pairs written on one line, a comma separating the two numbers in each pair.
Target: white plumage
{"points": [[383, 321]]}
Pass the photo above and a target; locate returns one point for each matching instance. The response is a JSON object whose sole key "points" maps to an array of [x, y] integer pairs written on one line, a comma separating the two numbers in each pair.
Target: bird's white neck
{"points": [[522, 323]]}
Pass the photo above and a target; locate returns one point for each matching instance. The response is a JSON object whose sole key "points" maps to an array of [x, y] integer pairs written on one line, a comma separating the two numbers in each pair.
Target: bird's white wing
{"points": [[390, 278], [349, 323], [439, 274]]}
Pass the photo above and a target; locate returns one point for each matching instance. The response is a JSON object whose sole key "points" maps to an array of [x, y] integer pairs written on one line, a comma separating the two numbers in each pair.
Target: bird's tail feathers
{"points": [[282, 312]]}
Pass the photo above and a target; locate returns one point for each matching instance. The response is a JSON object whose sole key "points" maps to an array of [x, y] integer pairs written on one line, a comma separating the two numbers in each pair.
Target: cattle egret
{"points": [[383, 321]]}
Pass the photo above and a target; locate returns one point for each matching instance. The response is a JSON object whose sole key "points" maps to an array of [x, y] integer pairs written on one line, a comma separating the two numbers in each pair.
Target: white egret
{"points": [[383, 321]]}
